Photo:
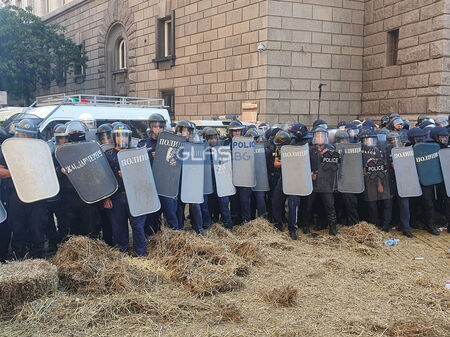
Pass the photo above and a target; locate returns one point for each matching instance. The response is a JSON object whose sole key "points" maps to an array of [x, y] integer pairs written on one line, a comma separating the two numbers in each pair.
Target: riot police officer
{"points": [[104, 134], [319, 146], [186, 129], [217, 205], [27, 221], [281, 139], [157, 124], [117, 204], [394, 141]]}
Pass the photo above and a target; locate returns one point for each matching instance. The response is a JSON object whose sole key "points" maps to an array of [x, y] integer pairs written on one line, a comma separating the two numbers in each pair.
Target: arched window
{"points": [[122, 54]]}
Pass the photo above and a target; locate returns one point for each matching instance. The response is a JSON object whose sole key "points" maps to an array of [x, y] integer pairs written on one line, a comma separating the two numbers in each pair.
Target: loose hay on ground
{"points": [[285, 296], [203, 265], [92, 266], [23, 281], [363, 233]]}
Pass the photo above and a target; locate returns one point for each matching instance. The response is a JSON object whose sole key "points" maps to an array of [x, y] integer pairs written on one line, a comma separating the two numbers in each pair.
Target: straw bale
{"points": [[91, 265], [363, 233], [22, 281]]}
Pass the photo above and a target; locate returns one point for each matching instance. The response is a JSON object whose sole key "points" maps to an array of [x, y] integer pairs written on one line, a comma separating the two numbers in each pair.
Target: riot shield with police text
{"points": [[262, 178], [326, 180], [243, 150], [223, 171], [167, 163], [91, 134], [444, 158], [427, 163], [296, 170], [192, 173], [88, 170], [377, 178], [32, 170], [406, 176], [138, 180], [350, 176], [208, 187]]}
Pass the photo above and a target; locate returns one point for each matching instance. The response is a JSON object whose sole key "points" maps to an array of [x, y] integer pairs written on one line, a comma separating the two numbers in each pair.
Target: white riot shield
{"points": [[138, 180], [444, 157], [223, 171], [243, 149], [134, 142], [262, 178], [192, 173], [406, 176], [31, 166], [208, 187], [296, 170], [350, 177]]}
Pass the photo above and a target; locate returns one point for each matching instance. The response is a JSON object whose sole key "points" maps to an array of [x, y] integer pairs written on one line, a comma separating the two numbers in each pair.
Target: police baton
{"points": [[320, 98]]}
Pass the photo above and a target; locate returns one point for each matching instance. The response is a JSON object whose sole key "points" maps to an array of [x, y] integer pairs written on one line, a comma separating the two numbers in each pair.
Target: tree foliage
{"points": [[33, 54]]}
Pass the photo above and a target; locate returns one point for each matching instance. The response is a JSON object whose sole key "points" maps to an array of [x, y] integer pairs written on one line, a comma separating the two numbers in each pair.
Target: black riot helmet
{"points": [[341, 137], [353, 131], [396, 124], [59, 132], [121, 135], [76, 131], [26, 129], [104, 134], [252, 133], [282, 138], [211, 135], [320, 136], [235, 126], [299, 131], [384, 121], [394, 140], [421, 119], [417, 135], [368, 137], [405, 125], [155, 121], [183, 126], [439, 135], [441, 121], [320, 123]]}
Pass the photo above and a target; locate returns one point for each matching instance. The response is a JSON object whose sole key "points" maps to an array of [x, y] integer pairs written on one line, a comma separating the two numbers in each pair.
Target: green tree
{"points": [[33, 54]]}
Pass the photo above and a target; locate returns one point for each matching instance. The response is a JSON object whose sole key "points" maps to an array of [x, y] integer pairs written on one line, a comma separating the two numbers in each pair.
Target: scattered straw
{"points": [[92, 266], [285, 296], [23, 281]]}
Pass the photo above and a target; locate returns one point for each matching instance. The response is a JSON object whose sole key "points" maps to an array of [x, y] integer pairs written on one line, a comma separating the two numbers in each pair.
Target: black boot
{"points": [[333, 229], [293, 234], [279, 227], [432, 229], [385, 229], [305, 229], [408, 233]]}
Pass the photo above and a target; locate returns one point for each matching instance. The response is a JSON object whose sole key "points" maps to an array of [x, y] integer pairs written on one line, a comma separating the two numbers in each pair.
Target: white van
{"points": [[48, 111]]}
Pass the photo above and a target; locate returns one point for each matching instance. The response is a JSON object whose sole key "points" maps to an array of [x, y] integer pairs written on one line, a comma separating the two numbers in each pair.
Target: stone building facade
{"points": [[217, 57]]}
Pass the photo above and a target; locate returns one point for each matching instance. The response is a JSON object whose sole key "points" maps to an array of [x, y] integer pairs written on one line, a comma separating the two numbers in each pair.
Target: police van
{"points": [[220, 123], [47, 111]]}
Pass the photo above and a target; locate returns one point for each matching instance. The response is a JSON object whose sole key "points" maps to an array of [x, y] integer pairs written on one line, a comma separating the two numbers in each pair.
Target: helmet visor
{"points": [[395, 142], [320, 138], [105, 137], [122, 138], [370, 141]]}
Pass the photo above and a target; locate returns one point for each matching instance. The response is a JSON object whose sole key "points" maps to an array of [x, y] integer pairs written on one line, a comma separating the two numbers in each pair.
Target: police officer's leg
{"points": [[37, 224], [350, 202], [169, 209], [225, 213], [245, 195], [5, 237], [196, 218], [309, 212], [105, 226], [50, 227], [278, 201], [118, 216], [260, 200], [235, 208], [17, 219], [428, 207], [181, 208], [328, 203], [153, 223], [294, 206], [387, 214], [403, 205], [205, 213], [138, 232], [372, 213], [253, 207]]}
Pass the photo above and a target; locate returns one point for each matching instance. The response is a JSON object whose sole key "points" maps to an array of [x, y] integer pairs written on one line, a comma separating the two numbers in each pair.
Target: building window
{"points": [[122, 57], [79, 70], [392, 47], [169, 101], [165, 41]]}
